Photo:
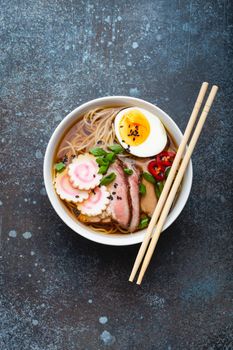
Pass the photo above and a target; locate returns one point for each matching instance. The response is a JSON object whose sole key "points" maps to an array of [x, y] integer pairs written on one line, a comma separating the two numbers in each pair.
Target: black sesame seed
{"points": [[134, 139], [94, 175], [119, 198], [65, 159], [77, 196], [76, 211], [113, 192], [99, 142]]}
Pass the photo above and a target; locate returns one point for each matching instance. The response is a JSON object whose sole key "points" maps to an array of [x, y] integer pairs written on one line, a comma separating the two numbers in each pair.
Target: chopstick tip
{"points": [[132, 276]]}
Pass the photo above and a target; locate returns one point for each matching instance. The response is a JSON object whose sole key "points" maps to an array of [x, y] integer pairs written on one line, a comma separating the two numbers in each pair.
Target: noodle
{"points": [[106, 230], [95, 126]]}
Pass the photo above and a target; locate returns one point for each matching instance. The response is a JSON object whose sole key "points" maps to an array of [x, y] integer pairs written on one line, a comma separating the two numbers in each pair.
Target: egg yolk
{"points": [[134, 128]]}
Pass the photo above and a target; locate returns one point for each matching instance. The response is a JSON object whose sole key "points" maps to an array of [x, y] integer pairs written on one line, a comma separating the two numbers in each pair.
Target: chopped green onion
{"points": [[160, 185], [60, 167], [128, 171], [110, 156], [157, 192], [102, 161], [103, 169], [108, 179], [167, 171], [159, 188], [97, 151], [116, 148], [142, 189], [149, 177], [144, 222]]}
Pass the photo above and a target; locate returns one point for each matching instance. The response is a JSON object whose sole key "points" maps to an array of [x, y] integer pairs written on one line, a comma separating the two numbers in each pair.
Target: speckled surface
{"points": [[58, 290]]}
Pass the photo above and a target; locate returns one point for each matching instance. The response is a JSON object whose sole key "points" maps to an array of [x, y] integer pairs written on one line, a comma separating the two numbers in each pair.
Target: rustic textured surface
{"points": [[58, 290]]}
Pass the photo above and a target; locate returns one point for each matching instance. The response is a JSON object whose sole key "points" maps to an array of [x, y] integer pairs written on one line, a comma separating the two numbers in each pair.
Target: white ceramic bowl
{"points": [[60, 208]]}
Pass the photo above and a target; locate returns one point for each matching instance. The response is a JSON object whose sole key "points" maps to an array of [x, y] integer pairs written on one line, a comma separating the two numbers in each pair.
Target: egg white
{"points": [[156, 140]]}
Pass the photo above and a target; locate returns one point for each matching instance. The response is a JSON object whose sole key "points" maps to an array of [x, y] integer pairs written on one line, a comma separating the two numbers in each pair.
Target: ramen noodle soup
{"points": [[111, 166]]}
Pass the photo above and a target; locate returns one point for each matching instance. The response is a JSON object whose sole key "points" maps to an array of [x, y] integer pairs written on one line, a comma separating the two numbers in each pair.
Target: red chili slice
{"points": [[165, 158], [157, 170]]}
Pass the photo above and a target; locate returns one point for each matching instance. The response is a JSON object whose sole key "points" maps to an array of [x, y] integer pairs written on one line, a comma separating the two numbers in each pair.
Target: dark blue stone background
{"points": [[56, 285]]}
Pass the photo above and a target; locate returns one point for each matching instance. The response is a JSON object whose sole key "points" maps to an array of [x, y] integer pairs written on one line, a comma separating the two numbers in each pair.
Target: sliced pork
{"points": [[120, 206], [149, 201], [133, 181]]}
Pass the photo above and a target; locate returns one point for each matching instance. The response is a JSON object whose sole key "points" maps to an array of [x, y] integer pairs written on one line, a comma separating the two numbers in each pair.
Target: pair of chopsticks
{"points": [[166, 199]]}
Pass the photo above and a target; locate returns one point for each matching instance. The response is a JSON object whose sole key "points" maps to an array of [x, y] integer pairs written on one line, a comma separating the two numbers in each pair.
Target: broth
{"points": [[96, 129]]}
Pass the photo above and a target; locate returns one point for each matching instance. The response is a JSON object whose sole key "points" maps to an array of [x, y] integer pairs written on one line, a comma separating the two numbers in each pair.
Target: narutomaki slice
{"points": [[96, 203], [66, 191], [83, 172]]}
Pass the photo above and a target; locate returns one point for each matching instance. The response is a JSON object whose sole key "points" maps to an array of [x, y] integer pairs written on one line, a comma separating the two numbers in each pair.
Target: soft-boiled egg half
{"points": [[140, 132]]}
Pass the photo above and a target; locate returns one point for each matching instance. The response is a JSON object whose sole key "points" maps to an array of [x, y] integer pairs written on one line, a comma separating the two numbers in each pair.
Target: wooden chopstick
{"points": [[169, 180], [177, 182]]}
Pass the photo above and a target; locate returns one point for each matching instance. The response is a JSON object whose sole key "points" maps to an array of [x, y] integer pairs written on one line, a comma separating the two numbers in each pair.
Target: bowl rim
{"points": [[81, 229]]}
